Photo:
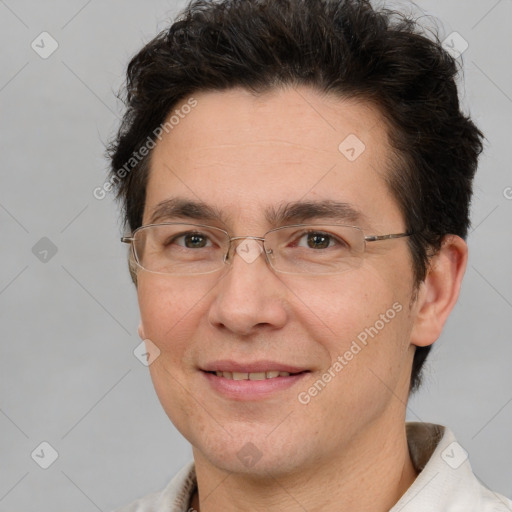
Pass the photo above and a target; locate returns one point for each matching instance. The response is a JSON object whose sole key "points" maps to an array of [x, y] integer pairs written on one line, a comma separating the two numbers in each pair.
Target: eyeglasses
{"points": [[190, 249]]}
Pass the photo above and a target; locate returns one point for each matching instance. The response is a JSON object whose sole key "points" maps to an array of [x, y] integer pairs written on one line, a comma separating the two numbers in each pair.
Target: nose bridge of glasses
{"points": [[247, 237], [247, 247]]}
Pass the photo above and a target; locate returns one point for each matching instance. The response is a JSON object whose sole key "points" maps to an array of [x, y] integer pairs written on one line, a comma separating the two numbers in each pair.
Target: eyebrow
{"points": [[294, 212], [301, 211], [178, 208]]}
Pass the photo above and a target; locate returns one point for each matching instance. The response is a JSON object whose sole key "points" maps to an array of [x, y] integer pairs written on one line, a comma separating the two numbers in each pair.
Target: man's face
{"points": [[245, 155]]}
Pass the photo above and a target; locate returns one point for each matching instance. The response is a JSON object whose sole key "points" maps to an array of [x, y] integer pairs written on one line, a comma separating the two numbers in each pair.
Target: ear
{"points": [[439, 292], [140, 330]]}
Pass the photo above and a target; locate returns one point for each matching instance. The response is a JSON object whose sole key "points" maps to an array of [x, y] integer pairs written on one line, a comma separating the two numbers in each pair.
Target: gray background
{"points": [[68, 324]]}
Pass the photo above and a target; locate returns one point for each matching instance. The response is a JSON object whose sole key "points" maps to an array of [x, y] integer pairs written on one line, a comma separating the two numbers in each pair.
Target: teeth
{"points": [[252, 376], [257, 376]]}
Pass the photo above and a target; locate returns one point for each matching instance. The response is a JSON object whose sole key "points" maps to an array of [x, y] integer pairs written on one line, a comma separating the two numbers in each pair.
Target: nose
{"points": [[249, 297]]}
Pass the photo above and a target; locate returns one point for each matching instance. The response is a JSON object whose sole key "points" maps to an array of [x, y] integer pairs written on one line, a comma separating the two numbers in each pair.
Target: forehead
{"points": [[242, 152]]}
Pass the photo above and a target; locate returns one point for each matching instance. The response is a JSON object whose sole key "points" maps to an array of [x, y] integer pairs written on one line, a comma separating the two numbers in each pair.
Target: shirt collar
{"points": [[446, 480]]}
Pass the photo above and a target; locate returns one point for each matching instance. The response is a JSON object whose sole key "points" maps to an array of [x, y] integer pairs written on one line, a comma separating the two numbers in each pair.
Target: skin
{"points": [[346, 449]]}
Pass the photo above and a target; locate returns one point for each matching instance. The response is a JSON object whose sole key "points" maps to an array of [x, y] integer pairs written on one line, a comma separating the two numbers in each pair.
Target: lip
{"points": [[244, 390], [249, 390], [226, 365]]}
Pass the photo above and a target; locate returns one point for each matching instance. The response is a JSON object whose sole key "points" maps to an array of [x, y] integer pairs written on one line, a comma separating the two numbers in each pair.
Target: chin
{"points": [[258, 456], [255, 463]]}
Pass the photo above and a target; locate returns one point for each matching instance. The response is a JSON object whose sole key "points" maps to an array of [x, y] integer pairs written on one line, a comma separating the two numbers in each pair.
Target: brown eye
{"points": [[190, 240], [318, 241], [195, 241]]}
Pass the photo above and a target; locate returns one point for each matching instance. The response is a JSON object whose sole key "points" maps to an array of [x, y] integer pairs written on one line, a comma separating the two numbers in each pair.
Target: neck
{"points": [[372, 473]]}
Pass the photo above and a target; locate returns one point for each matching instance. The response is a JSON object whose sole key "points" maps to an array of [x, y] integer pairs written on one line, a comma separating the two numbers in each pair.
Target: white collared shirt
{"points": [[446, 482]]}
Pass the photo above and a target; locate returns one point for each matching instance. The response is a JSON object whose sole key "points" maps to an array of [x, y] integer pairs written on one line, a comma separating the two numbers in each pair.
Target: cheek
{"points": [[362, 322], [170, 312], [367, 364], [168, 306], [337, 308]]}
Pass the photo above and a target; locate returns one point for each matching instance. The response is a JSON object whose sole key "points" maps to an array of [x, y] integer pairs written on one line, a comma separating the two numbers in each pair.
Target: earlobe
{"points": [[140, 330], [439, 292]]}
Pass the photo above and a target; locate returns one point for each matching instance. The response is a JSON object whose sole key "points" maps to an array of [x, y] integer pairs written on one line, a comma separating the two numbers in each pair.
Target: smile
{"points": [[251, 381], [252, 376]]}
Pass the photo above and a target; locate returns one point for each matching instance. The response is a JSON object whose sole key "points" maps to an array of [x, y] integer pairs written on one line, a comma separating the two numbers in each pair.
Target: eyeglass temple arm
{"points": [[127, 239]]}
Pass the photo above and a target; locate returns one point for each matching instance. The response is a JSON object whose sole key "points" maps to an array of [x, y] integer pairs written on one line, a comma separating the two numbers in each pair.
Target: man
{"points": [[296, 178]]}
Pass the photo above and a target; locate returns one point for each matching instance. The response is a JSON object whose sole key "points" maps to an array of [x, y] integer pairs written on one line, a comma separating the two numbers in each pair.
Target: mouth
{"points": [[270, 374], [251, 381]]}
